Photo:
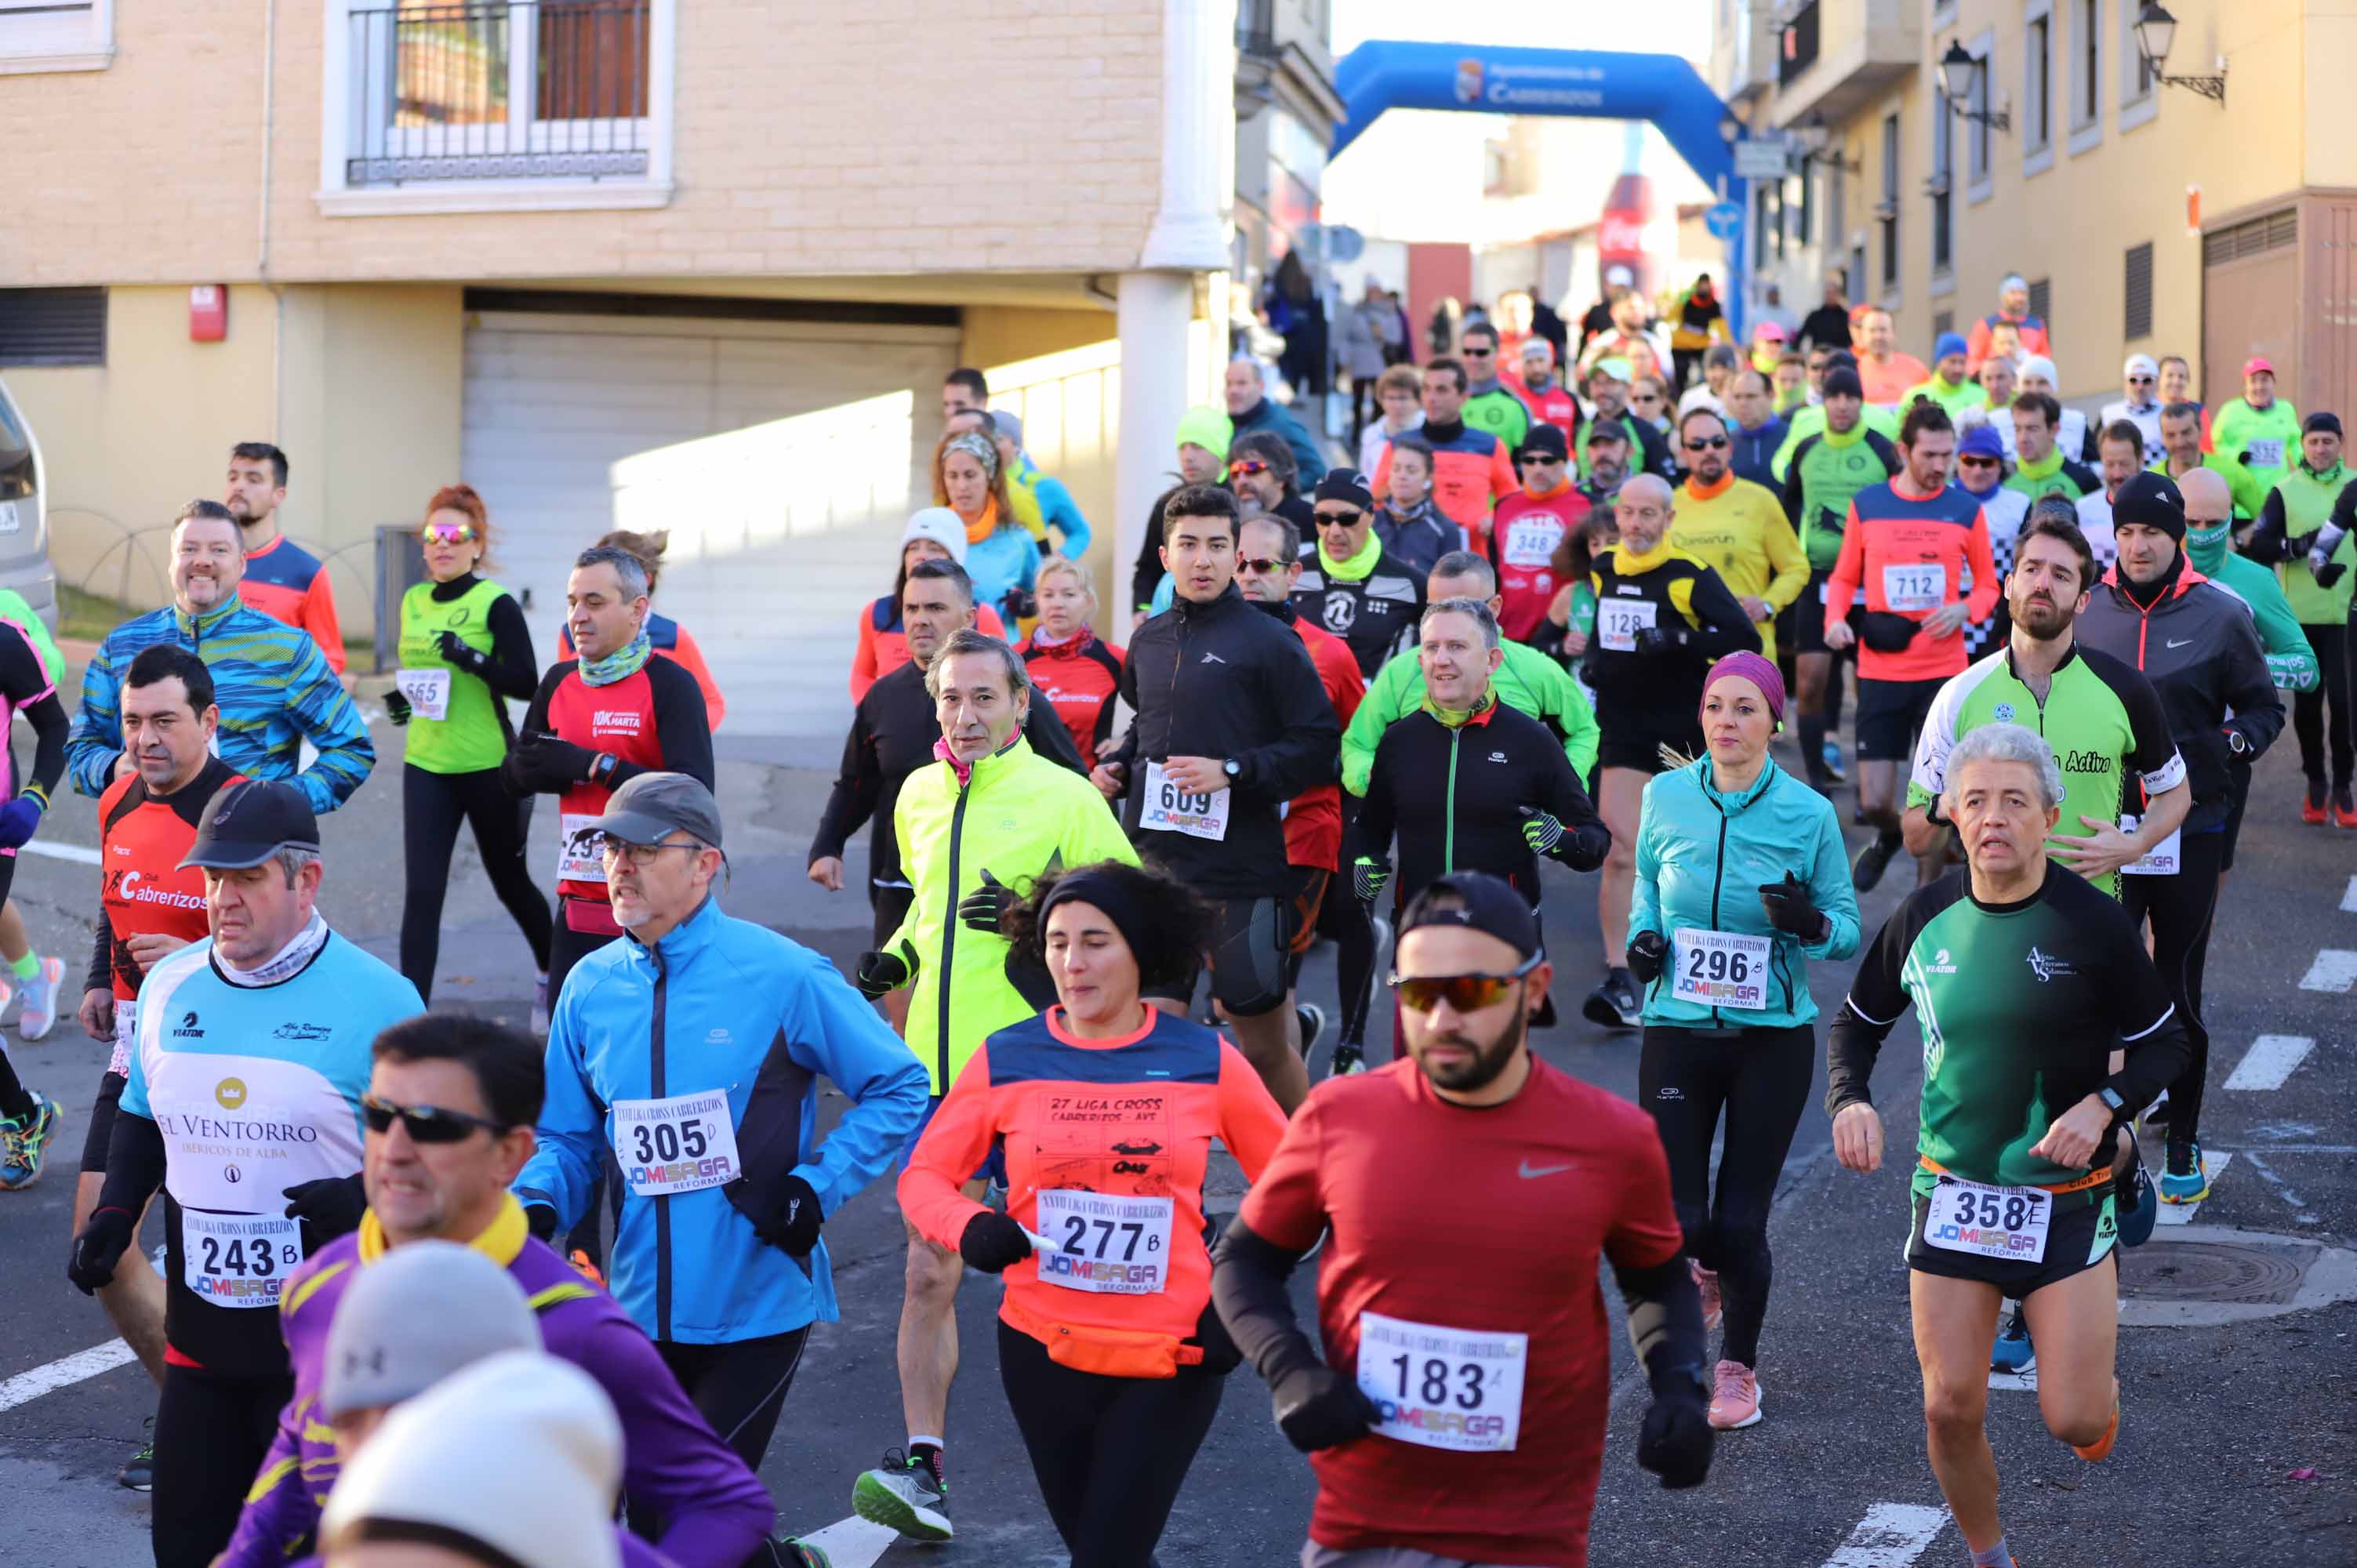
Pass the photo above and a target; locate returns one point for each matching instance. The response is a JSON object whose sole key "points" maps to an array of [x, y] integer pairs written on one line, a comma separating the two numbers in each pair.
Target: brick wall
{"points": [[885, 137]]}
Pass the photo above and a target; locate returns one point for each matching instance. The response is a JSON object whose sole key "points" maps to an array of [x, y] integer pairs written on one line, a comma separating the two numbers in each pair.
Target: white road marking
{"points": [[2335, 969], [2348, 899], [27, 1387], [2213, 1165], [80, 854], [853, 1542], [2298, 1203], [1891, 1535], [2015, 1380], [2271, 1060]]}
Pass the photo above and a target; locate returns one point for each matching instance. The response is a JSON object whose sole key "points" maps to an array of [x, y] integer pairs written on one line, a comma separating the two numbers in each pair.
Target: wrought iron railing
{"points": [[449, 89]]}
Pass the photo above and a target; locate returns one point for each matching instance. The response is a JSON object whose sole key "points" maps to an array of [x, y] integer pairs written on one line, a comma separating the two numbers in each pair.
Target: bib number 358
{"points": [[1443, 1388]]}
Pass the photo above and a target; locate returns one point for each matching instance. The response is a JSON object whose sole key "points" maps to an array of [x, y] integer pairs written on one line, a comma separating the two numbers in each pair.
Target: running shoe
{"points": [[794, 1554], [22, 1144], [2184, 1180], [2345, 809], [1832, 761], [1713, 1309], [138, 1472], [1313, 1024], [1350, 1061], [1867, 868], [40, 1013], [906, 1495], [2311, 805], [2014, 1353], [2094, 1452], [1617, 1004], [1734, 1397]]}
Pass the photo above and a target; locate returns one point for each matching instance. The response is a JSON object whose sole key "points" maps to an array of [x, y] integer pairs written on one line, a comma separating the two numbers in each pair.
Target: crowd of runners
{"points": [[438, 1290]]}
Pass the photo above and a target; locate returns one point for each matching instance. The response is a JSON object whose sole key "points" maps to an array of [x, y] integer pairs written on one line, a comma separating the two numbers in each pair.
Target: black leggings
{"points": [[1110, 1453], [16, 1100], [211, 1435], [2330, 700], [2180, 907], [740, 1388], [1349, 923], [432, 806], [1760, 1077]]}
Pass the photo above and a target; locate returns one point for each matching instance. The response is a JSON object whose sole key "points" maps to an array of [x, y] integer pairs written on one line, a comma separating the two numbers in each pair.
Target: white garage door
{"points": [[553, 403]]}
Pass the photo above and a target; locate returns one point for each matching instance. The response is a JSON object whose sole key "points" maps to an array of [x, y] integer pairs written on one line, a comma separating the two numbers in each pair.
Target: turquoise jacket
{"points": [[1702, 858]]}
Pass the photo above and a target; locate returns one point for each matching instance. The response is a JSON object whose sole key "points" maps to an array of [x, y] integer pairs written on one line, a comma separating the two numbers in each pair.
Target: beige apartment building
{"points": [[640, 262], [2147, 217]]}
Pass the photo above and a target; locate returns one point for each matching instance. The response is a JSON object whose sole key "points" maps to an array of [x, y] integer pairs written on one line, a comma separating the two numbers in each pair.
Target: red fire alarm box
{"points": [[208, 313]]}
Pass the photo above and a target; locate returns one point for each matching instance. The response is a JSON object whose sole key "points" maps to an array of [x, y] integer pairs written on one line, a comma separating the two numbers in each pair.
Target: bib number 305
{"points": [[683, 1144], [1443, 1388]]}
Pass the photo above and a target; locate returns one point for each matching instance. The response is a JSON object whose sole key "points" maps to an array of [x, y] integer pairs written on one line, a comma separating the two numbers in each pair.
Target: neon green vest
{"points": [[473, 734], [2308, 498]]}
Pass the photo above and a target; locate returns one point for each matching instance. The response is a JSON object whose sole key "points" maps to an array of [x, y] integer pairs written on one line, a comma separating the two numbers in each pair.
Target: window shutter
{"points": [[2257, 237], [52, 325], [1942, 321], [2136, 290], [2042, 299]]}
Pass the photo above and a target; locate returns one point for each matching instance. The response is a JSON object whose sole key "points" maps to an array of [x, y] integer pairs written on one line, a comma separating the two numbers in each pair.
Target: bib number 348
{"points": [[1443, 1388]]}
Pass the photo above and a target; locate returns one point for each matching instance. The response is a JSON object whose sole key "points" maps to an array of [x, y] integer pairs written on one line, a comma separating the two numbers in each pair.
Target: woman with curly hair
{"points": [[1000, 557]]}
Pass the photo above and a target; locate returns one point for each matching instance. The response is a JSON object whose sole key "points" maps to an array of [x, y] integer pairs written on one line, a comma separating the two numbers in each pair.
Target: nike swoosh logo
{"points": [[2178, 642], [1530, 1171]]}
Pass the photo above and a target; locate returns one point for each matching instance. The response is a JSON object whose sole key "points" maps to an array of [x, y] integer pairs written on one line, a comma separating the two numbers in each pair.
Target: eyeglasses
{"points": [[1707, 444], [1249, 466], [1463, 993], [1340, 519], [1261, 565], [449, 532], [641, 855], [425, 1123]]}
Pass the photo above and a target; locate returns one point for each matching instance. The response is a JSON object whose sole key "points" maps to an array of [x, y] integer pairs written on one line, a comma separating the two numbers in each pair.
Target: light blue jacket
{"points": [[1007, 559], [1701, 859], [702, 1010]]}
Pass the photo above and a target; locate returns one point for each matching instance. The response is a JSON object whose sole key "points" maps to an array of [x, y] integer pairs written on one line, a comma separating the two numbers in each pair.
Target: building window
{"points": [[1943, 322], [1797, 46], [56, 35], [2091, 62], [52, 327], [1888, 212], [1982, 155], [465, 105], [1758, 227], [2036, 99], [1776, 215], [2042, 299], [1942, 188], [1804, 209], [2137, 289]]}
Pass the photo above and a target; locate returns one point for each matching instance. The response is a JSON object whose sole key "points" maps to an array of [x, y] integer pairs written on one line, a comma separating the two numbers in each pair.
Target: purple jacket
{"points": [[715, 1510]]}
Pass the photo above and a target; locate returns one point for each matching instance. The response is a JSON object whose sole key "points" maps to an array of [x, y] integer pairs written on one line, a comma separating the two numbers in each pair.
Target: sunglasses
{"points": [[1263, 565], [1340, 519], [449, 532], [1249, 466], [1980, 462], [2141, 380], [1463, 993], [425, 1123], [1480, 353], [1707, 444]]}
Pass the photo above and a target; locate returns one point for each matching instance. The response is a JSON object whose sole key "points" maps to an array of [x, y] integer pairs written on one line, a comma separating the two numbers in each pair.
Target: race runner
{"points": [[669, 639], [1980, 474], [2316, 580], [1456, 1414], [1742, 879], [27, 1120], [1530, 525], [257, 1038], [1736, 526], [1472, 468], [933, 534], [282, 579], [1350, 586], [1104, 1108], [2022, 976]]}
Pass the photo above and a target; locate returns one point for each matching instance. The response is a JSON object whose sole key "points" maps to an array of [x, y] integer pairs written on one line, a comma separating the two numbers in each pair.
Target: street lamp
{"points": [[1960, 77], [2156, 30], [1814, 138], [1729, 128]]}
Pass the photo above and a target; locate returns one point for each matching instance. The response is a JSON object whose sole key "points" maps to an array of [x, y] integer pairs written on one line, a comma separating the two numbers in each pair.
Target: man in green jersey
{"points": [[2258, 430], [2022, 977], [2181, 441], [2102, 719], [2291, 531], [2040, 467], [1490, 403], [1948, 385]]}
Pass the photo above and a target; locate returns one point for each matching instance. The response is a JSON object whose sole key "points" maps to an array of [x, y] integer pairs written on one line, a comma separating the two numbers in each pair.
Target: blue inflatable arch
{"points": [[1592, 84]]}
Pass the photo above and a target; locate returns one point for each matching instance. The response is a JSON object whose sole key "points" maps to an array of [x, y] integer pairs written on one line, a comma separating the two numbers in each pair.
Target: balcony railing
{"points": [[493, 89]]}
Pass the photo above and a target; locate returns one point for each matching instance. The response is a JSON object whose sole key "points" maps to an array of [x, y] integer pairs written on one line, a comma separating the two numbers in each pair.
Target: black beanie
{"points": [[2154, 500]]}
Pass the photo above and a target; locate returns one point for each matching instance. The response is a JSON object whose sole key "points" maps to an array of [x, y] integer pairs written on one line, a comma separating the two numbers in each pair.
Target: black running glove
{"points": [[541, 1220], [986, 905], [1653, 640], [330, 1207], [2331, 572], [473, 661], [881, 972], [794, 1231], [1648, 954], [1317, 1407], [1792, 910], [396, 708], [1674, 1442], [99, 1247], [992, 1242]]}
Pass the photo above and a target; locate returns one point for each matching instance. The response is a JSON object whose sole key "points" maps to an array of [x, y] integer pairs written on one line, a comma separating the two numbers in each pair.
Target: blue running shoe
{"points": [[2014, 1352], [1832, 754], [2184, 1180], [23, 1142]]}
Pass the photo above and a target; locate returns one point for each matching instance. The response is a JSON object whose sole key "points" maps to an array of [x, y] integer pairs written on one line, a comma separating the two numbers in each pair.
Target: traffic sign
{"points": [[1723, 220], [1760, 157]]}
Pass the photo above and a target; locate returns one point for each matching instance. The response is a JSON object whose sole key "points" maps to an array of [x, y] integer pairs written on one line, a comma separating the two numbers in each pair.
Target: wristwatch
{"points": [[2237, 743], [1231, 768], [2110, 1096]]}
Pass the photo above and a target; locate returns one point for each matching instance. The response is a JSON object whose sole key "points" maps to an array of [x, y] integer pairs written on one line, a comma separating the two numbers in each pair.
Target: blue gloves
{"points": [[19, 818]]}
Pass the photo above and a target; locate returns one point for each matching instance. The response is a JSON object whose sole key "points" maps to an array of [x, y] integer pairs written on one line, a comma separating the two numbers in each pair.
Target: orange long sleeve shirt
{"points": [[1908, 552]]}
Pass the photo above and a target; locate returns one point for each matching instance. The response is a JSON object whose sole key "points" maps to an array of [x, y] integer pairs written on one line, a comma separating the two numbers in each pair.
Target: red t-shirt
{"points": [[1490, 1218], [621, 718], [1524, 534], [1313, 821]]}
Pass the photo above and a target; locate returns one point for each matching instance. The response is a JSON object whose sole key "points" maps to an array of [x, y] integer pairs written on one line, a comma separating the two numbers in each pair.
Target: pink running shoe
{"points": [[1734, 1397]]}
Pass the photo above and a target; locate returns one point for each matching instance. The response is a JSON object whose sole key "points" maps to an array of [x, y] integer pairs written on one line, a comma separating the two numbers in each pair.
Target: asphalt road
{"points": [[2218, 1414]]}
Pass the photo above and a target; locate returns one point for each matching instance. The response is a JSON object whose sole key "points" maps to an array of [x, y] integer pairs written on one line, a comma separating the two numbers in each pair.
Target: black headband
{"points": [[1095, 887]]}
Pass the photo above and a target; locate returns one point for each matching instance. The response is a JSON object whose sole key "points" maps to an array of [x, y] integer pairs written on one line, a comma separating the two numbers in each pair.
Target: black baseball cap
{"points": [[1544, 441], [248, 822], [1478, 901], [1608, 430], [655, 804]]}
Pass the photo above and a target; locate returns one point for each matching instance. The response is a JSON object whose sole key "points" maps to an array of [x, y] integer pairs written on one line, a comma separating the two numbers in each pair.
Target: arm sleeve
{"points": [[50, 726], [1345, 688], [2266, 543], [1982, 602], [2250, 690], [1092, 831], [1785, 560], [512, 777], [2153, 756], [1384, 700], [514, 672], [330, 720], [1786, 464], [1147, 574], [1876, 1000], [1976, 345], [932, 1191], [101, 956], [1664, 1307], [1849, 569], [1791, 479], [682, 725], [1303, 753], [715, 1509], [1832, 892], [135, 1158], [835, 1031], [96, 739], [1248, 1286], [1929, 773], [858, 785], [1044, 728], [1251, 1125], [2150, 1030], [1370, 833], [564, 1171], [1644, 1231], [1566, 706], [1503, 482], [318, 619], [1063, 514], [1382, 477], [1584, 847]]}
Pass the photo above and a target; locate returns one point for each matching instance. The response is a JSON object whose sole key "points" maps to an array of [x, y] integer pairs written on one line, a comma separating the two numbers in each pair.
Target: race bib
{"points": [[683, 1144], [1106, 1243], [577, 863], [1170, 810], [1923, 585], [238, 1260], [1443, 1388], [428, 691], [1721, 968], [126, 1031], [2008, 1223], [2268, 451], [1617, 620], [2164, 859], [1530, 546]]}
